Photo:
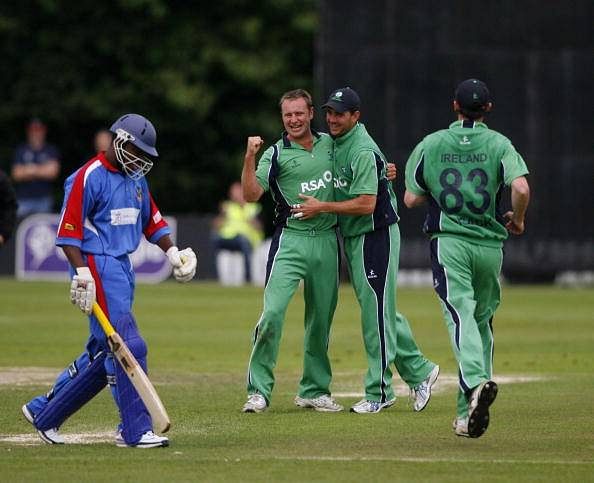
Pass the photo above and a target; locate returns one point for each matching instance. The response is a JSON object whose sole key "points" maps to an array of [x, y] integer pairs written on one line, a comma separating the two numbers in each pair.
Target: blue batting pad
{"points": [[135, 418], [74, 387]]}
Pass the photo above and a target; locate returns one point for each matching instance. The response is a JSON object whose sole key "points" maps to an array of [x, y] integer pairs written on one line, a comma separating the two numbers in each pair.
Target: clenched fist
{"points": [[184, 263], [254, 143]]}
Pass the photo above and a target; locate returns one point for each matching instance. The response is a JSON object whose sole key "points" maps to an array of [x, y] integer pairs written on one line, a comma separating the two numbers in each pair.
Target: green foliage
{"points": [[207, 74]]}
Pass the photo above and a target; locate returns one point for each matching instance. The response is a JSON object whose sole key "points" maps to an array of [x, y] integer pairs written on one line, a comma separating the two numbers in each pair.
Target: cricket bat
{"points": [[134, 371]]}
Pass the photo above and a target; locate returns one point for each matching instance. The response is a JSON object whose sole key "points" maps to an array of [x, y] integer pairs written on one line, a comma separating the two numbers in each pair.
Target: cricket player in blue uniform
{"points": [[107, 208]]}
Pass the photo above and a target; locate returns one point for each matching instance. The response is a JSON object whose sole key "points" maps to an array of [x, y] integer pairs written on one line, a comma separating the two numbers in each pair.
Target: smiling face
{"points": [[339, 123], [297, 116]]}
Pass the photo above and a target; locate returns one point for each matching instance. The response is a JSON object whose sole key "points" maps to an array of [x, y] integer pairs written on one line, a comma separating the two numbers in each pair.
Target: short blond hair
{"points": [[296, 94]]}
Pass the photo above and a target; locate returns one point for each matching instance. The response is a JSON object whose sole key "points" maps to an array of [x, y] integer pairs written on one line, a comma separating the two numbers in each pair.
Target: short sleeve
{"points": [[80, 191], [365, 176], [263, 169], [415, 183], [154, 225], [513, 165]]}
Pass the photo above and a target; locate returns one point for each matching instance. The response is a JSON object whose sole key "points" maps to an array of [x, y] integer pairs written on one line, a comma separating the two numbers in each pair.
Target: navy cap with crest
{"points": [[342, 100], [472, 95]]}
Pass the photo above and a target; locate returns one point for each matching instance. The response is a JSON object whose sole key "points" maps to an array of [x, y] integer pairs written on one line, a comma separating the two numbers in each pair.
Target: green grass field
{"points": [[199, 338]]}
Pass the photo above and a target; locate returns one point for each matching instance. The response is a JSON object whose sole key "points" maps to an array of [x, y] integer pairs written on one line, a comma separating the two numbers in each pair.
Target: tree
{"points": [[207, 74]]}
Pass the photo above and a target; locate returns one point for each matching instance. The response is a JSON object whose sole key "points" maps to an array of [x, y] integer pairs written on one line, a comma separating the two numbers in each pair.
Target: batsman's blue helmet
{"points": [[140, 132], [141, 129]]}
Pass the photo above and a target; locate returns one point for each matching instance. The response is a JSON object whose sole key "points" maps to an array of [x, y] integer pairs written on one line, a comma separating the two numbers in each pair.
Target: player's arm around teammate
{"points": [[367, 215]]}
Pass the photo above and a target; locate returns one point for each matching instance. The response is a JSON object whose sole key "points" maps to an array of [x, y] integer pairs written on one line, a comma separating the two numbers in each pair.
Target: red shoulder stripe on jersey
{"points": [[71, 224], [156, 221], [101, 157]]}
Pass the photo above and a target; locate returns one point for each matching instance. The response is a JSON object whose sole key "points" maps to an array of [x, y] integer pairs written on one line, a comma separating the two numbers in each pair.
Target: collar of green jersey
{"points": [[469, 124], [287, 143]]}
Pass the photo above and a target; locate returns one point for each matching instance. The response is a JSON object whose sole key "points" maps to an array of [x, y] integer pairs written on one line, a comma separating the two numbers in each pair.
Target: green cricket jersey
{"points": [[287, 169], [462, 169], [360, 169]]}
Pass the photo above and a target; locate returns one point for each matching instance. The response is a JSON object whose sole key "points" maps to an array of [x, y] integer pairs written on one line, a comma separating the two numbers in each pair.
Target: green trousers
{"points": [[294, 256], [466, 279], [373, 266]]}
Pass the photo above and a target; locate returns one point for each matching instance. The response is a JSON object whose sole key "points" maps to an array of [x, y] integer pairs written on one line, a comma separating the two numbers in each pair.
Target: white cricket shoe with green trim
{"points": [[422, 393], [364, 406], [324, 403], [255, 404]]}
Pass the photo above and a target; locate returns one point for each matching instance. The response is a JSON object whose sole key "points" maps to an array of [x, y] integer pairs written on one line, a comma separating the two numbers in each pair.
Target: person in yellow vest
{"points": [[238, 227]]}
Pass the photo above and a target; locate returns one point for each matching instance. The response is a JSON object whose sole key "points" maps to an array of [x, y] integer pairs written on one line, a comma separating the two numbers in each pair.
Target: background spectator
{"points": [[35, 167], [102, 140], [238, 228]]}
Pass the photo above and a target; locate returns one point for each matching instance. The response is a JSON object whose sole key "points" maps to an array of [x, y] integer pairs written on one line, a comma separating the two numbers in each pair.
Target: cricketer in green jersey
{"points": [[300, 250], [367, 217], [460, 172]]}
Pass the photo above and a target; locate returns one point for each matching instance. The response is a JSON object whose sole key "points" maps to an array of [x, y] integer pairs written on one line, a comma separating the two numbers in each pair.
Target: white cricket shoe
{"points": [[478, 408], [422, 393], [364, 406], [255, 404], [147, 440], [49, 436], [460, 427], [324, 403]]}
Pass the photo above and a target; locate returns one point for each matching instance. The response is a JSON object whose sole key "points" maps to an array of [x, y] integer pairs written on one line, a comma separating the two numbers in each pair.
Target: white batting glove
{"points": [[184, 263], [82, 290], [173, 256]]}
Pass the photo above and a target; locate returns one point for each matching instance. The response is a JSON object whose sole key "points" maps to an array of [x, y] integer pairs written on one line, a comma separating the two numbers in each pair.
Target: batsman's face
{"points": [[134, 162], [297, 116], [339, 123]]}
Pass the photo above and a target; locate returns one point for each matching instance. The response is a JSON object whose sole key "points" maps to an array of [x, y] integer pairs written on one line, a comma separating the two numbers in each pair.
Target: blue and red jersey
{"points": [[105, 212]]}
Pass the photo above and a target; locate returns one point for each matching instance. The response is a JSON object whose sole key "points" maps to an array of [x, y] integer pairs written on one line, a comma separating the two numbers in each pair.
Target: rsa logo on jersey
{"points": [[38, 257]]}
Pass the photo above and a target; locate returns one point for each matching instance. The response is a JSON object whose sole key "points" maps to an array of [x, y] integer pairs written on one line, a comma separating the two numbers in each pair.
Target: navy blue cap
{"points": [[342, 100], [472, 95]]}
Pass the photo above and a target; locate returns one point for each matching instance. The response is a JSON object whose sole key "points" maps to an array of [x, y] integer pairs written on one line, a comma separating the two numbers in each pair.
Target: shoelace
{"points": [[372, 405], [375, 405], [324, 400], [254, 398], [420, 389]]}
